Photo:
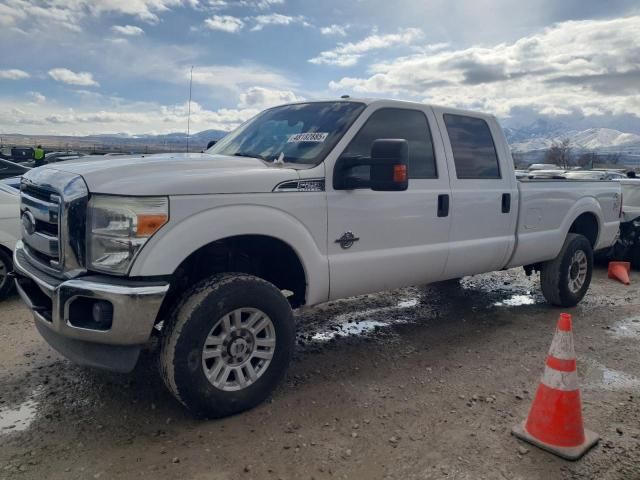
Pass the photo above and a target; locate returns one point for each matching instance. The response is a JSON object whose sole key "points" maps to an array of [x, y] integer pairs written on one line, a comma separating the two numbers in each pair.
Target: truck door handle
{"points": [[443, 205], [506, 202]]}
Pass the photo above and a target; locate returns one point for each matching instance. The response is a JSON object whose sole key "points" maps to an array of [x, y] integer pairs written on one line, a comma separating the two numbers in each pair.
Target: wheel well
{"points": [[587, 225], [7, 251], [263, 256]]}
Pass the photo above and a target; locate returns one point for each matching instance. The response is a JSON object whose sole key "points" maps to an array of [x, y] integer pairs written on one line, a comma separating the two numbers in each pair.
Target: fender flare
{"points": [[584, 205], [166, 250]]}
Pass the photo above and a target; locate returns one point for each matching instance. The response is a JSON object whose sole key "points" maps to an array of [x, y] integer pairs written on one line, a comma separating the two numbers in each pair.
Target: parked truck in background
{"points": [[305, 203], [627, 246]]}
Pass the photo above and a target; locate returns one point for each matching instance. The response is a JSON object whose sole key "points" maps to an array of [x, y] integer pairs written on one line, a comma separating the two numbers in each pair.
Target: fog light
{"points": [[102, 312], [89, 313]]}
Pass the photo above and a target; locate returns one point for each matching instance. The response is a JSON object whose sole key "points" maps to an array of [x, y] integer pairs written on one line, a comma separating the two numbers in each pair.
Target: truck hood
{"points": [[177, 174]]}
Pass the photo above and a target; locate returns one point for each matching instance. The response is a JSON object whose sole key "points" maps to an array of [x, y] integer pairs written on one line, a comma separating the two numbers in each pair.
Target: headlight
{"points": [[119, 227]]}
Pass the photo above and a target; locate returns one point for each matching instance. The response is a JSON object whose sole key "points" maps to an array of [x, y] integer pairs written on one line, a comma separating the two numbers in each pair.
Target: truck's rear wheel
{"points": [[566, 279], [227, 344]]}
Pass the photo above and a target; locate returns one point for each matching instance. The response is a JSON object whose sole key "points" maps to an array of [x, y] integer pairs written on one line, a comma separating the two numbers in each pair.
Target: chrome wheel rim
{"points": [[578, 271], [239, 349]]}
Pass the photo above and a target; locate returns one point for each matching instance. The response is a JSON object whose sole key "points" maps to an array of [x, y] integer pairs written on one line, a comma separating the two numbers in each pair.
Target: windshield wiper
{"points": [[251, 155]]}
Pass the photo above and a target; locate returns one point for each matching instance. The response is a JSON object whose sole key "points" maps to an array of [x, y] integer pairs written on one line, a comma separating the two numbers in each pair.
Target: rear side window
{"points": [[474, 152], [410, 125]]}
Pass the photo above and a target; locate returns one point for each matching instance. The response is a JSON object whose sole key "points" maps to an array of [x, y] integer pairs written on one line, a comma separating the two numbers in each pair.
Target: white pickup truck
{"points": [[304, 203]]}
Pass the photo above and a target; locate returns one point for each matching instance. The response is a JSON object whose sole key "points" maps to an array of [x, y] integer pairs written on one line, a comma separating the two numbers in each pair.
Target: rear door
{"points": [[483, 194], [398, 238]]}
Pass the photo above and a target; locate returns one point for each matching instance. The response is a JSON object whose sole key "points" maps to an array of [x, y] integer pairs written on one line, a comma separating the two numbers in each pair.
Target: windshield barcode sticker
{"points": [[318, 137]]}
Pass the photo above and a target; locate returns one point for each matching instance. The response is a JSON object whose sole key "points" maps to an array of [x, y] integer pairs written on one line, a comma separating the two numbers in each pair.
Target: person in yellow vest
{"points": [[38, 156]]}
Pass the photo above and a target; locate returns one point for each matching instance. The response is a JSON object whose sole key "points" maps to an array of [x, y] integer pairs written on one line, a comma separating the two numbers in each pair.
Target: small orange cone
{"points": [[620, 271], [555, 419]]}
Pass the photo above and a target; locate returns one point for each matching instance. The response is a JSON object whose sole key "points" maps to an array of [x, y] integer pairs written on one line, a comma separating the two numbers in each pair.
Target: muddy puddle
{"points": [[19, 417], [626, 328], [365, 321], [517, 301], [596, 375]]}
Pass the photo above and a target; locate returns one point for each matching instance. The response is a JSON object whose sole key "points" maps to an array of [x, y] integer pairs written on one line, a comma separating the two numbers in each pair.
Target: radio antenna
{"points": [[189, 109]]}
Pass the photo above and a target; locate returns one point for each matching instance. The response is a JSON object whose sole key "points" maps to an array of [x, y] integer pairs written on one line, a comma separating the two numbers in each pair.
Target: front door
{"points": [[381, 240]]}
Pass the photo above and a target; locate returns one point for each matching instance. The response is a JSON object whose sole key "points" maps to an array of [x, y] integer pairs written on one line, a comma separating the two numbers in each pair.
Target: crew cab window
{"points": [[474, 152], [410, 125]]}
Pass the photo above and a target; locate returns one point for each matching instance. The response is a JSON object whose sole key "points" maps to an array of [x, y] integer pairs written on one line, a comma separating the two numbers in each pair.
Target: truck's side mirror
{"points": [[386, 169], [389, 165]]}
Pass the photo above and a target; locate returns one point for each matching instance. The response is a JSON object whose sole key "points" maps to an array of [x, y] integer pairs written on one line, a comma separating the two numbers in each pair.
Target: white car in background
{"points": [[9, 230]]}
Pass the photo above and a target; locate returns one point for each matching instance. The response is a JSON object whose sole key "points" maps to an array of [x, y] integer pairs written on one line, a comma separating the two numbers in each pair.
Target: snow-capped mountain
{"points": [[590, 139]]}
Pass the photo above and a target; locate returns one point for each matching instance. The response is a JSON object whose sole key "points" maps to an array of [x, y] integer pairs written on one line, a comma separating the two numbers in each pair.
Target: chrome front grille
{"points": [[40, 213], [53, 208]]}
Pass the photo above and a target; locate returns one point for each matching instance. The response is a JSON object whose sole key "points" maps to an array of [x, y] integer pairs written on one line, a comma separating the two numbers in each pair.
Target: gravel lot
{"points": [[417, 383]]}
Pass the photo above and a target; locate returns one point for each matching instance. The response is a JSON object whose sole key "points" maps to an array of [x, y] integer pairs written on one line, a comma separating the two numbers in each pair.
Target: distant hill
{"points": [[530, 143], [590, 139], [121, 142]]}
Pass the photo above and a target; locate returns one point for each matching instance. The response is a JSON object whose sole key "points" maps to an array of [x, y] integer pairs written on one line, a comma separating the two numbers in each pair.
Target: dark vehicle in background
{"points": [[12, 169], [20, 155]]}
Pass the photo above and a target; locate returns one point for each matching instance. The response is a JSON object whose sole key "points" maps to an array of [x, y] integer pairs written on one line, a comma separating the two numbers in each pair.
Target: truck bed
{"points": [[547, 208]]}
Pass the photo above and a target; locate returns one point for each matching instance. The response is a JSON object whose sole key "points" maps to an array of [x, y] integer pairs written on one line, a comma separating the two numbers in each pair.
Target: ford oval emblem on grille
{"points": [[29, 222]]}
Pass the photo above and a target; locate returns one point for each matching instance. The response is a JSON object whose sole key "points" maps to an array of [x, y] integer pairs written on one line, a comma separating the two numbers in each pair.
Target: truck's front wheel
{"points": [[6, 282], [566, 279], [227, 344]]}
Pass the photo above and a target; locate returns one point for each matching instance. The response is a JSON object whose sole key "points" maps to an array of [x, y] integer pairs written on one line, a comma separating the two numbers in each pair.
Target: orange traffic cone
{"points": [[620, 271], [555, 419]]}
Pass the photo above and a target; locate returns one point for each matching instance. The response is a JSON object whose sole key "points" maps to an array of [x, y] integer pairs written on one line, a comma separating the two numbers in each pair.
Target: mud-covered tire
{"points": [[6, 282], [190, 325], [558, 286]]}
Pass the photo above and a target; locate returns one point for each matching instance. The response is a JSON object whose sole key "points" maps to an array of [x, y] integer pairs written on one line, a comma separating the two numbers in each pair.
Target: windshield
{"points": [[302, 133]]}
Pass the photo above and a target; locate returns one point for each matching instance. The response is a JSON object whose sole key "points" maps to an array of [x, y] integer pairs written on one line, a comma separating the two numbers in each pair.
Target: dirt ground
{"points": [[417, 383]]}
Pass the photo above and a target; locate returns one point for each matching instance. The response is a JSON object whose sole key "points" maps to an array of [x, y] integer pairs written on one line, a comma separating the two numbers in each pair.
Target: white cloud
{"points": [[225, 23], [37, 97], [268, 3], [348, 54], [261, 4], [335, 30], [590, 67], [65, 75], [147, 10], [262, 21], [13, 74], [260, 97], [237, 78], [130, 30], [127, 117], [69, 14]]}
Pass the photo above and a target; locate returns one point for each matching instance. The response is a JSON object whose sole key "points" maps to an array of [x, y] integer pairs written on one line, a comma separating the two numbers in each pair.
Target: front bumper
{"points": [[135, 309]]}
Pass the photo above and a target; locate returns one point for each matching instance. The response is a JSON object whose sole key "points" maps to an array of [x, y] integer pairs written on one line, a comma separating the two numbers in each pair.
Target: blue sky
{"points": [[108, 66]]}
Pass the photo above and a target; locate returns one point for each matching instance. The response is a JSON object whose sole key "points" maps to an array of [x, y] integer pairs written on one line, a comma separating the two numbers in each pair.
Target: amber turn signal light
{"points": [[399, 173], [149, 224]]}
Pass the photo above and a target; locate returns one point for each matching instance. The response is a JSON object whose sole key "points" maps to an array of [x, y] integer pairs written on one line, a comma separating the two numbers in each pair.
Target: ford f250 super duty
{"points": [[305, 203]]}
